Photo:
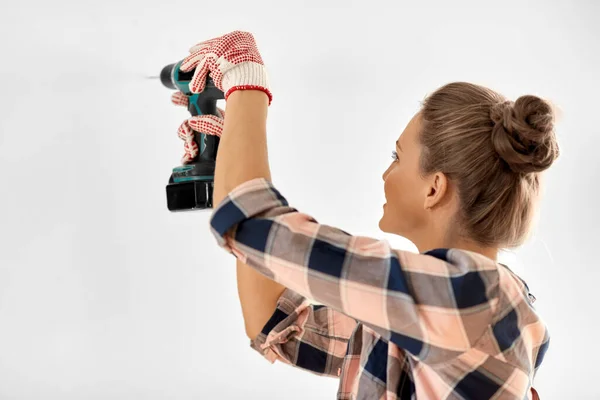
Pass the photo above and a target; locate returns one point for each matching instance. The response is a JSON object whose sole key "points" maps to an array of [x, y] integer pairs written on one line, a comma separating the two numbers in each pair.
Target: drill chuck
{"points": [[166, 76]]}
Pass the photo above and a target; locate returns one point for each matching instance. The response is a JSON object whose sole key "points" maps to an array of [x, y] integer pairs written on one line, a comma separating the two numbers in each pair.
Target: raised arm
{"points": [[258, 298]]}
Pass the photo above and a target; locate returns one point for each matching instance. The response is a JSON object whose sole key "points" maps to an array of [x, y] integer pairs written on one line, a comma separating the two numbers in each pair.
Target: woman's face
{"points": [[405, 190]]}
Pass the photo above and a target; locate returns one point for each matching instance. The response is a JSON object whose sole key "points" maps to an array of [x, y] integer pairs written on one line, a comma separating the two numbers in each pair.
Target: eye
{"points": [[395, 155]]}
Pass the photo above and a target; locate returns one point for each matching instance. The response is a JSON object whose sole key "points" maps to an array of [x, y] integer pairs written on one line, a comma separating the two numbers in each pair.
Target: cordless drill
{"points": [[190, 186]]}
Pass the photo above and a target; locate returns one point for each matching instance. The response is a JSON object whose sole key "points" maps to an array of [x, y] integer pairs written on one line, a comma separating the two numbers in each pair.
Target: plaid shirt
{"points": [[391, 324]]}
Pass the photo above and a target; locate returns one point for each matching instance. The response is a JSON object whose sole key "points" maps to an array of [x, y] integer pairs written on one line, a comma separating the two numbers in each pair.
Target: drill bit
{"points": [[153, 77]]}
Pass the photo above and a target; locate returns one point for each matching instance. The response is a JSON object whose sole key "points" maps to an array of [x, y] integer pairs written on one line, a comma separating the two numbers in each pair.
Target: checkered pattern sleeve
{"points": [[304, 335], [434, 305]]}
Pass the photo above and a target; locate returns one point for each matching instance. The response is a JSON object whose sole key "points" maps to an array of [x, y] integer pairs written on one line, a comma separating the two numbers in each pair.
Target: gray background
{"points": [[106, 294]]}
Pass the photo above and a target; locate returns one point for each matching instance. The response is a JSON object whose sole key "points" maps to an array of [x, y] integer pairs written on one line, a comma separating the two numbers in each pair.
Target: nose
{"points": [[385, 174]]}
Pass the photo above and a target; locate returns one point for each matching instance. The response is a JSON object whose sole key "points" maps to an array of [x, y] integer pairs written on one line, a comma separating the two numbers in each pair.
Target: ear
{"points": [[436, 190]]}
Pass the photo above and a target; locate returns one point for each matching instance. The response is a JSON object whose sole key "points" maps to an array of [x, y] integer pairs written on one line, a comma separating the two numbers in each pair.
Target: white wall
{"points": [[106, 294]]}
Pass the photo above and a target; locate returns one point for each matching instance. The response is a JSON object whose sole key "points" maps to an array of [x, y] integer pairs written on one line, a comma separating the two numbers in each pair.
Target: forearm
{"points": [[242, 153], [242, 156]]}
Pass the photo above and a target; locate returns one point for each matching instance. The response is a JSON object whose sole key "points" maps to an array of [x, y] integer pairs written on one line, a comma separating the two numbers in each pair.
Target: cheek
{"points": [[403, 190]]}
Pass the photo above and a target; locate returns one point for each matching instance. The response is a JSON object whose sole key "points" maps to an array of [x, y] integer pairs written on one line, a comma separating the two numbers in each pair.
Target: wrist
{"points": [[254, 102]]}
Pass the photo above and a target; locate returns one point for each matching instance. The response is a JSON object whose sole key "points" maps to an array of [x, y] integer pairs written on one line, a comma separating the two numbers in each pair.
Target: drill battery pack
{"points": [[187, 196]]}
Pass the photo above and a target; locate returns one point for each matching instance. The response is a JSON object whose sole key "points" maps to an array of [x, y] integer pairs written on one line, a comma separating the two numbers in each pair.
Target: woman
{"points": [[447, 323]]}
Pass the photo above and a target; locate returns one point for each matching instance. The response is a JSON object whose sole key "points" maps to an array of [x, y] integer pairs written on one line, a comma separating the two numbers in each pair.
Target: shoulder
{"points": [[464, 260], [473, 278]]}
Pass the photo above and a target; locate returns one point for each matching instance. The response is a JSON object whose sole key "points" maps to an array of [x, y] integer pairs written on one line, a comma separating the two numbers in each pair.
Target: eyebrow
{"points": [[398, 144]]}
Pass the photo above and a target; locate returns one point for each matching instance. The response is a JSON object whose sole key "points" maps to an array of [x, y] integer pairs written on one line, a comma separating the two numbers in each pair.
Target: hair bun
{"points": [[523, 134]]}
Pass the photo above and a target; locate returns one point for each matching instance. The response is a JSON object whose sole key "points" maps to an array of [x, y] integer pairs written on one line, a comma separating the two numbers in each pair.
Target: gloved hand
{"points": [[209, 124], [233, 62]]}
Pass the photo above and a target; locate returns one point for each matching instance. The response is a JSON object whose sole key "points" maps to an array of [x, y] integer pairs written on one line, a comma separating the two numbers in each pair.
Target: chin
{"points": [[382, 226]]}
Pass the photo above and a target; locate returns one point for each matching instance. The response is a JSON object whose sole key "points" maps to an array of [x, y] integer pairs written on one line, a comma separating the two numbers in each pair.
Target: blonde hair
{"points": [[493, 150]]}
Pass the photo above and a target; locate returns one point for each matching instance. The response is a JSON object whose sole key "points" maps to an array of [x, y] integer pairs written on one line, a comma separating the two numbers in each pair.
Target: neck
{"points": [[430, 242]]}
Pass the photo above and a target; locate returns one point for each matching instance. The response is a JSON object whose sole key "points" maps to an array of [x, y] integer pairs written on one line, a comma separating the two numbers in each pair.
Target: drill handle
{"points": [[205, 103]]}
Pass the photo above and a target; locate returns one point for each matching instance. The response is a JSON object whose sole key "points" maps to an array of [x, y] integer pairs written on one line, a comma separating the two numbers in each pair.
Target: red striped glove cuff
{"points": [[247, 76]]}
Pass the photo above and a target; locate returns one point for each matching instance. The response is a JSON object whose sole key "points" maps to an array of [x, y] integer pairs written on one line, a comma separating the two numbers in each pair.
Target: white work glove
{"points": [[233, 62]]}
